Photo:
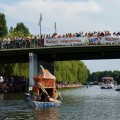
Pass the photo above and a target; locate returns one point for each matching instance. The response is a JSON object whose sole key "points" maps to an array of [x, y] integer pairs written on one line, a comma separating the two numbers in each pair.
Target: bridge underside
{"points": [[61, 53], [47, 55]]}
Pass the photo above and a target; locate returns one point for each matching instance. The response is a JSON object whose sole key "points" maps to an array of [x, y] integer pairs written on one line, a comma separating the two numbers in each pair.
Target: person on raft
{"points": [[46, 98]]}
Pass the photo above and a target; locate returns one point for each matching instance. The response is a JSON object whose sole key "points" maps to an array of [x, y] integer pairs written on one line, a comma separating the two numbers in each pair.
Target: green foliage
{"points": [[71, 71], [96, 76], [3, 27], [65, 72], [19, 30], [6, 69], [11, 30], [116, 76], [20, 69]]}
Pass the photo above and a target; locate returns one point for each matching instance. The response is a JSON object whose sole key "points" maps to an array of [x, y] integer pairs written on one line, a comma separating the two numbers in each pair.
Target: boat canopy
{"points": [[107, 78], [44, 74], [44, 81]]}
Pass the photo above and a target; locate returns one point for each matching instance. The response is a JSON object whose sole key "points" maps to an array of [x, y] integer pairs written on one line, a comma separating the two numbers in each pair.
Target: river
{"points": [[90, 103]]}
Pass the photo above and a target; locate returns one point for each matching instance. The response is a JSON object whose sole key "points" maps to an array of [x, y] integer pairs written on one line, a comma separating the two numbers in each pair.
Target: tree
{"points": [[21, 30], [116, 76], [71, 71], [94, 77], [11, 30], [3, 27]]}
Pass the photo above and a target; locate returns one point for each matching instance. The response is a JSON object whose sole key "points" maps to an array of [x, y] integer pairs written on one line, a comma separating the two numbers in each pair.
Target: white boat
{"points": [[107, 83]]}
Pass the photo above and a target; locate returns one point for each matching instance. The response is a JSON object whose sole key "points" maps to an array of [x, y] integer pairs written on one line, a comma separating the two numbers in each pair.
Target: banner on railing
{"points": [[81, 41], [65, 41]]}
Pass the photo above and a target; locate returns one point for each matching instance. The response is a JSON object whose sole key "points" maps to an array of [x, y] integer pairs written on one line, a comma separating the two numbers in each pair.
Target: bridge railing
{"points": [[72, 41], [77, 41], [13, 44]]}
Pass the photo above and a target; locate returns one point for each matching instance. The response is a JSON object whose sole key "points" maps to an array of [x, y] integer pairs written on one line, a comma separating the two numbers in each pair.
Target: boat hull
{"points": [[107, 86], [117, 89], [41, 104], [46, 104]]}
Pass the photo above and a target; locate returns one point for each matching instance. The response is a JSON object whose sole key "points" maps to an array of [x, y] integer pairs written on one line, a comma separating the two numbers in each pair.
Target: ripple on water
{"points": [[14, 109], [78, 104]]}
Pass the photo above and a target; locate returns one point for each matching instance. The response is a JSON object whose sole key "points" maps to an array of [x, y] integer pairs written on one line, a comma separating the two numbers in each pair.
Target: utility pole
{"points": [[40, 22], [55, 27]]}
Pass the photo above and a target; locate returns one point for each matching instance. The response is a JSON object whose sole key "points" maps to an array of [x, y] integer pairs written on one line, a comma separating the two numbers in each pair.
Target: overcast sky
{"points": [[103, 65], [69, 15]]}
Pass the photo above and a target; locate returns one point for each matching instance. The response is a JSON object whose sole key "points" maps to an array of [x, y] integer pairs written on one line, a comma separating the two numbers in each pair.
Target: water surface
{"points": [[90, 103]]}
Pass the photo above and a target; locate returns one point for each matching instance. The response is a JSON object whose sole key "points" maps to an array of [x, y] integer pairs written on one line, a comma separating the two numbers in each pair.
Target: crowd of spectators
{"points": [[13, 84], [38, 41], [81, 34], [21, 42]]}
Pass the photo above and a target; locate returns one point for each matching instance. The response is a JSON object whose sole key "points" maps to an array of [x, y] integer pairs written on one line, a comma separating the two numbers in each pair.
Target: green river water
{"points": [[84, 103]]}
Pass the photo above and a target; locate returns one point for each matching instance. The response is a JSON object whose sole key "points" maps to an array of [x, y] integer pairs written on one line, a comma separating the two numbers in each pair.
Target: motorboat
{"points": [[107, 83]]}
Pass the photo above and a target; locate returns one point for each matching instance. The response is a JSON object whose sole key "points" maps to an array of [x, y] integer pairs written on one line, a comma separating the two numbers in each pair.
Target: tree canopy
{"points": [[71, 71], [65, 71], [96, 76], [19, 30], [3, 26]]}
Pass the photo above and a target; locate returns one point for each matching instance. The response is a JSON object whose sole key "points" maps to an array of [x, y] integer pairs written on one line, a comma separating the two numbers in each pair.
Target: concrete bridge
{"points": [[47, 55]]}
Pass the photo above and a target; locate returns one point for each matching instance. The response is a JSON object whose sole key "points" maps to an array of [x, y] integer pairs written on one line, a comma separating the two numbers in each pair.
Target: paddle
{"points": [[42, 88]]}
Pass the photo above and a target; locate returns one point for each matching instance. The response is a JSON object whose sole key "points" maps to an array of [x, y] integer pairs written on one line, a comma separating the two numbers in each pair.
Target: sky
{"points": [[102, 65], [70, 16]]}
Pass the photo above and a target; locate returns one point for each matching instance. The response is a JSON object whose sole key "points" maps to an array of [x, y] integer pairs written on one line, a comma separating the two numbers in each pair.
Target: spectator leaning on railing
{"points": [[38, 41]]}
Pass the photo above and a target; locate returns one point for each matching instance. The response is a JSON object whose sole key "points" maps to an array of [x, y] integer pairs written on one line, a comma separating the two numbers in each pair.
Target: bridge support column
{"points": [[33, 67]]}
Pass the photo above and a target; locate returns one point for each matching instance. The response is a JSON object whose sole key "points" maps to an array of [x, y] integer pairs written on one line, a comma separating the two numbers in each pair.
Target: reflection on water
{"points": [[90, 104], [14, 110], [46, 114], [1, 96], [78, 104]]}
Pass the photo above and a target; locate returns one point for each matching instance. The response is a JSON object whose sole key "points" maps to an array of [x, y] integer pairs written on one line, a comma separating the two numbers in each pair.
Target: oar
{"points": [[42, 88]]}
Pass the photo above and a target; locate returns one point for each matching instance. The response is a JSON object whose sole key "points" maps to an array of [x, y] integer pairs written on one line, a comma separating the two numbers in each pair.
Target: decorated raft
{"points": [[44, 93]]}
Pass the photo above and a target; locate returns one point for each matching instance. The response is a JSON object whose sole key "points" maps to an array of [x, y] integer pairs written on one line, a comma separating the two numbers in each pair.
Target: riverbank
{"points": [[69, 85]]}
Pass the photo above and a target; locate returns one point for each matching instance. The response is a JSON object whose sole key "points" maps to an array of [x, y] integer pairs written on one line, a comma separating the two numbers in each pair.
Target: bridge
{"points": [[47, 55], [60, 53]]}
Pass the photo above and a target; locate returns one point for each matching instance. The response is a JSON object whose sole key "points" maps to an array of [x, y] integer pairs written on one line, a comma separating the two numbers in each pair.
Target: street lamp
{"points": [[40, 22]]}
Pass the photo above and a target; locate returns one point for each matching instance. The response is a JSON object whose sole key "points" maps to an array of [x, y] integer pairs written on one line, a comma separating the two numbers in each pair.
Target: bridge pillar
{"points": [[33, 67]]}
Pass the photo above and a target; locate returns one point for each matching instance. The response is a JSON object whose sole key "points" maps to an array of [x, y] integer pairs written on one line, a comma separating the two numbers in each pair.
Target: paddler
{"points": [[46, 98]]}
